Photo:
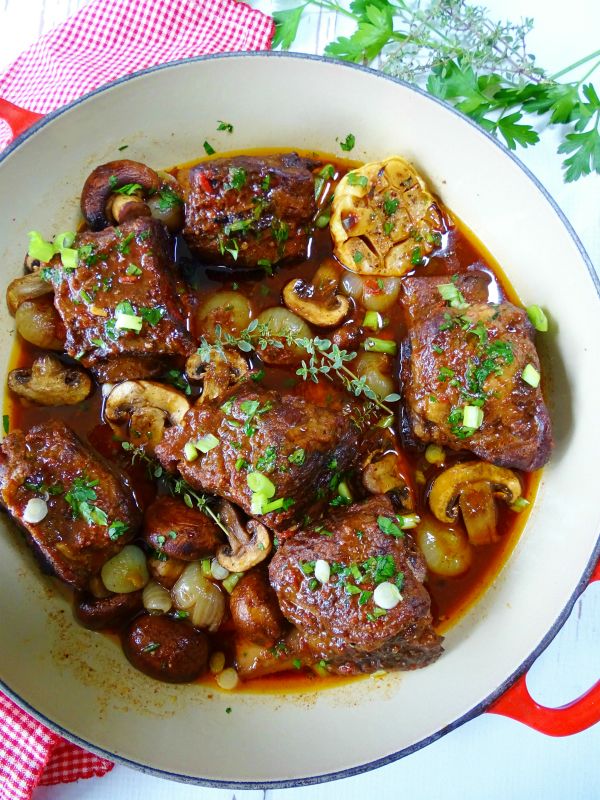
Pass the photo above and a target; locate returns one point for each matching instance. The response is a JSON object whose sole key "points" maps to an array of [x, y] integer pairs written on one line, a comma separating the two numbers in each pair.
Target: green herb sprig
{"points": [[324, 357], [479, 65]]}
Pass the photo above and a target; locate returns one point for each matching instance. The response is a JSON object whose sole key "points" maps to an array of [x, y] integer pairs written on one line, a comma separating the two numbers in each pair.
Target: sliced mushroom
{"points": [[26, 288], [140, 411], [326, 310], [384, 475], [103, 181], [50, 383], [222, 372], [473, 487], [247, 546]]}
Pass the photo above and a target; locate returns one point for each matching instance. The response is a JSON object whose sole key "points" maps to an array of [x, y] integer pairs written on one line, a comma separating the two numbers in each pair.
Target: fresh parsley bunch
{"points": [[482, 67]]}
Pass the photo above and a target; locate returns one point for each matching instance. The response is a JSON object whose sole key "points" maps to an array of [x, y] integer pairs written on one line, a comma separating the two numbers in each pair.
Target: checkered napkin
{"points": [[111, 38], [102, 42]]}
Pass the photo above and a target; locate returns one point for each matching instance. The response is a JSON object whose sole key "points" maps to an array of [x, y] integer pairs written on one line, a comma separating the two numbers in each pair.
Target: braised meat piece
{"points": [[249, 211], [77, 512], [120, 306], [339, 618], [300, 448], [468, 353]]}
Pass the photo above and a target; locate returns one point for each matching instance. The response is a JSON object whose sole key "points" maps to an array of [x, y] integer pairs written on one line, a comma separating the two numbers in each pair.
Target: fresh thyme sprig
{"points": [[324, 357], [177, 486], [479, 65]]}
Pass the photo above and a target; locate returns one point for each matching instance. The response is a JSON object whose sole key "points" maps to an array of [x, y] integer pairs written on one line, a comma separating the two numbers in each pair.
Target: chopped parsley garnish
{"points": [[133, 269], [152, 315], [357, 256], [348, 144], [150, 648], [113, 181], [389, 527], [129, 188], [390, 205], [168, 199], [81, 497], [266, 183], [116, 529], [357, 180], [237, 178], [266, 463], [178, 380], [209, 149], [123, 247], [297, 457], [5, 423], [224, 126]]}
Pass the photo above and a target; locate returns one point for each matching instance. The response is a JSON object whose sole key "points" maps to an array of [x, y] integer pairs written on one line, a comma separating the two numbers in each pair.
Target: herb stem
{"points": [[574, 65]]}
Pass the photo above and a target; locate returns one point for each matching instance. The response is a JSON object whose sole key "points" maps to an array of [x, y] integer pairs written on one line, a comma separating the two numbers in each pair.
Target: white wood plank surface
{"points": [[490, 757]]}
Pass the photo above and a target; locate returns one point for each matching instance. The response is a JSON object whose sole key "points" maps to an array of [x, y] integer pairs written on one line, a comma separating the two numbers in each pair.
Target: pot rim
{"points": [[560, 620]]}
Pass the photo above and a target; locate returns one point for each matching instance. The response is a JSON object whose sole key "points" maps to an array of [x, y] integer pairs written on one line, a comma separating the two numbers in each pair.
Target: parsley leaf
{"points": [[286, 26]]}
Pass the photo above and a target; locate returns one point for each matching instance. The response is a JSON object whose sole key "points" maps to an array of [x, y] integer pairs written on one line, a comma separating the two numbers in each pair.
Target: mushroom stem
{"points": [[247, 547]]}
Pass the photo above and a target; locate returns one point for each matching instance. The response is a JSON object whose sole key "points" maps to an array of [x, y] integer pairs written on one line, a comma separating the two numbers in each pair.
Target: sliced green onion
{"points": [[435, 454], [386, 422], [258, 502], [373, 320], [129, 322], [322, 220], [69, 258], [520, 504], [531, 376], [537, 318], [63, 240], [257, 482], [408, 521], [274, 505], [190, 451], [39, 248], [207, 443], [472, 417], [344, 490], [373, 345], [231, 581], [206, 567]]}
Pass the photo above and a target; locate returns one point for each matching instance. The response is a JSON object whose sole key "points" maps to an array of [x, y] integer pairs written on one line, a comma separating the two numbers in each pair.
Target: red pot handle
{"points": [[18, 118], [574, 717]]}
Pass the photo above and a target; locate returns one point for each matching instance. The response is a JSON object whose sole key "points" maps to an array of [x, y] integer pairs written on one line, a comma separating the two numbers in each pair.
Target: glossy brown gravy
{"points": [[451, 597]]}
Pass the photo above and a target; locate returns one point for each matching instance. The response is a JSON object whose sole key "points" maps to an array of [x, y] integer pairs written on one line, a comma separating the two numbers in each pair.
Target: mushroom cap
{"points": [[326, 311], [447, 487], [222, 372], [382, 213], [49, 382]]}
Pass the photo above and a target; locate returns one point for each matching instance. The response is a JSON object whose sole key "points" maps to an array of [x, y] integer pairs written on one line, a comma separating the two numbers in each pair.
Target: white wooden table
{"points": [[490, 757]]}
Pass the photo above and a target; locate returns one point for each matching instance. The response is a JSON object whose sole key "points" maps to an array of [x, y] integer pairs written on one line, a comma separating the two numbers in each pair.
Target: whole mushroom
{"points": [[247, 546], [140, 411], [103, 182], [472, 487], [49, 382]]}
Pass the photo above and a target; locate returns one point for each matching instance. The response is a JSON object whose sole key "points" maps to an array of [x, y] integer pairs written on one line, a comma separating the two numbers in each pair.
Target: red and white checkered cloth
{"points": [[111, 38], [104, 41]]}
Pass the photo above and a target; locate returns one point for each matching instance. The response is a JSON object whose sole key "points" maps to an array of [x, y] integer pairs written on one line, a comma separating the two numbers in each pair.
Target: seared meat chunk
{"points": [[120, 306], [84, 509], [472, 356], [298, 446], [339, 619], [246, 210]]}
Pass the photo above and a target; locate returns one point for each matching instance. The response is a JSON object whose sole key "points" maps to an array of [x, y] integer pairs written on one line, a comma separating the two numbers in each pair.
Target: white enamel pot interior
{"points": [[78, 681]]}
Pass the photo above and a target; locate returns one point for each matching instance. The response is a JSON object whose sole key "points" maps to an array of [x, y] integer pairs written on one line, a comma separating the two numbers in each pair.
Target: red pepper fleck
{"points": [[205, 183]]}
